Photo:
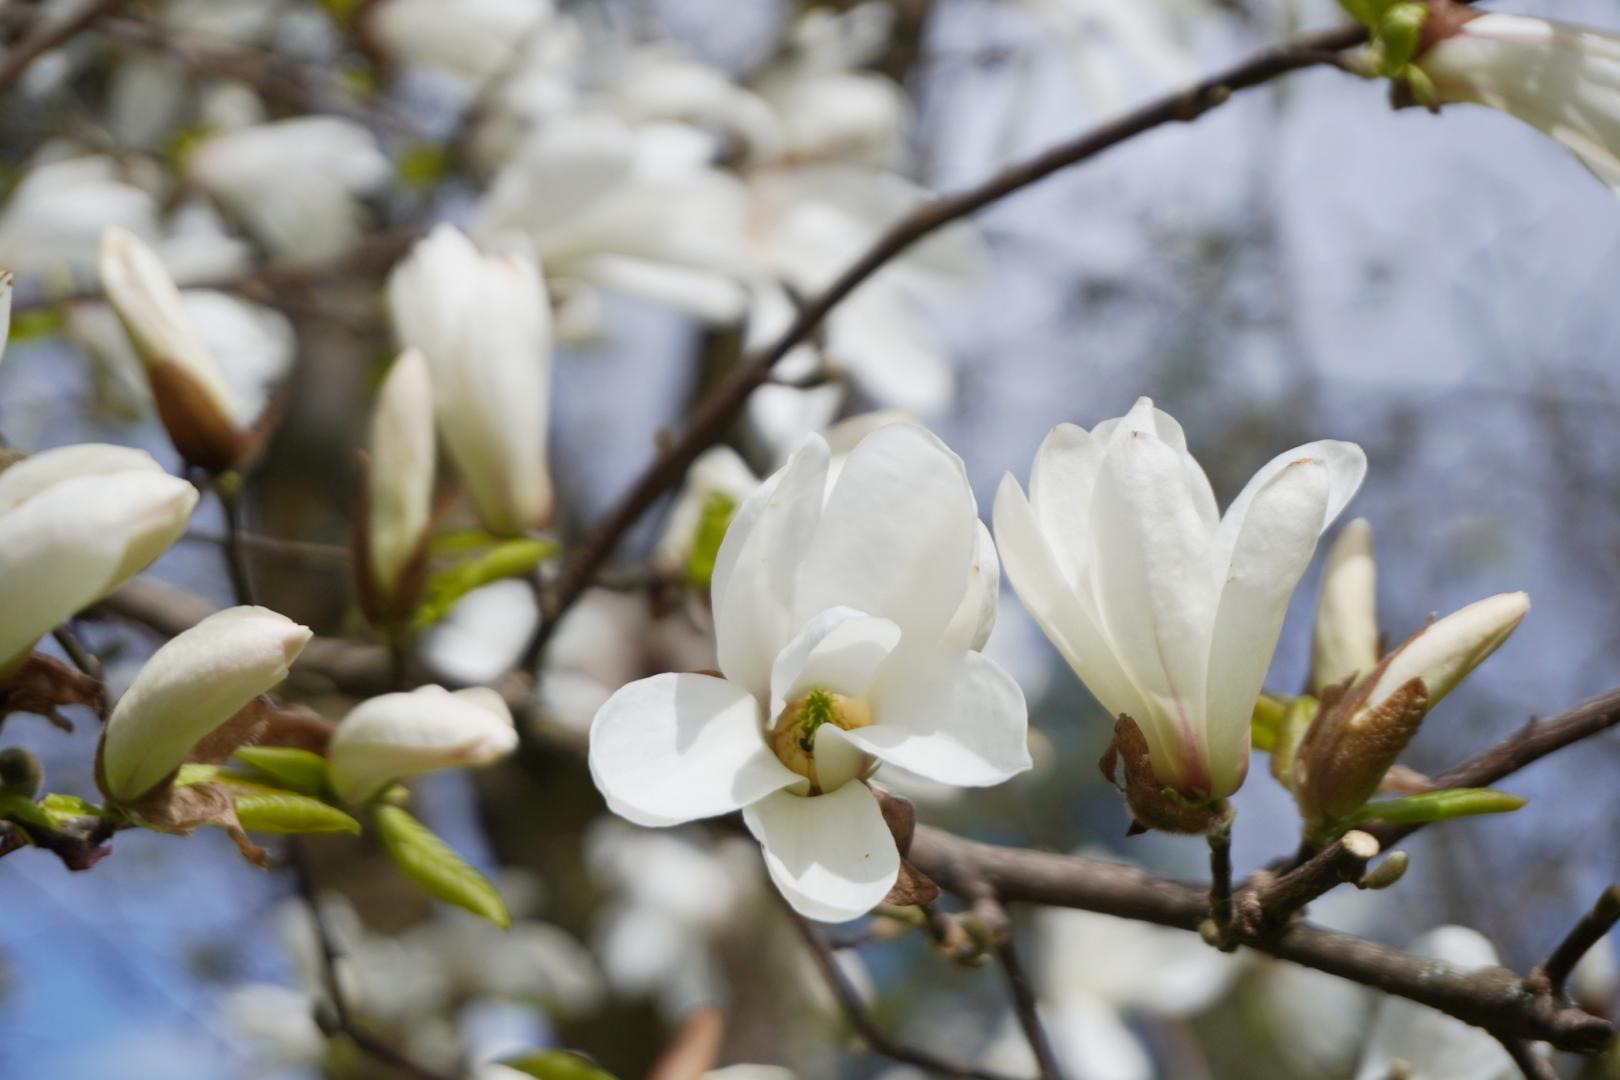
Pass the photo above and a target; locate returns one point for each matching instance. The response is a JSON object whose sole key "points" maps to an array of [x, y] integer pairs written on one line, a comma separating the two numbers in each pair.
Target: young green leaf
{"points": [[430, 862], [267, 809], [1263, 723], [286, 767], [1438, 806], [510, 558], [557, 1065]]}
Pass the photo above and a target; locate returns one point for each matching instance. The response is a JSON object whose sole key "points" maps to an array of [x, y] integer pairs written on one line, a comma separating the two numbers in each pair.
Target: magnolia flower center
{"points": [[793, 736]]}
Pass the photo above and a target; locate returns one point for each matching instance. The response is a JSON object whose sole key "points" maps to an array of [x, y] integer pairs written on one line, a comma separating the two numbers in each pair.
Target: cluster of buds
{"points": [[1335, 748]]}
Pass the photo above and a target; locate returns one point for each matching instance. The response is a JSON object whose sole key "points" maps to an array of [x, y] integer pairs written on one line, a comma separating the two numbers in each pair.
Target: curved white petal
{"points": [[77, 540], [1156, 592], [975, 616], [897, 536], [1070, 624], [393, 736], [399, 485], [190, 686], [1272, 550], [1344, 638], [1346, 465], [37, 472], [1061, 483], [832, 856], [949, 715], [839, 650], [676, 748], [754, 571], [1448, 650]]}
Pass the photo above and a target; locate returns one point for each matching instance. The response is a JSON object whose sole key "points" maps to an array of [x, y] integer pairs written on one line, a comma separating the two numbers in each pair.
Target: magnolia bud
{"points": [[484, 325], [397, 735], [20, 772], [73, 526], [1360, 731], [1444, 652], [399, 485], [190, 392], [1345, 638], [191, 686]]}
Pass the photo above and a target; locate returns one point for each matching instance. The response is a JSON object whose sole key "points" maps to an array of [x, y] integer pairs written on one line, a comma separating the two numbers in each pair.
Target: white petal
{"points": [[394, 736], [5, 309], [1344, 639], [190, 686], [948, 715], [832, 855], [1346, 465], [1061, 484], [754, 571], [975, 616], [1157, 594], [676, 748], [897, 536], [399, 485], [839, 650], [74, 542], [1274, 547], [37, 472], [1069, 622], [1448, 650]]}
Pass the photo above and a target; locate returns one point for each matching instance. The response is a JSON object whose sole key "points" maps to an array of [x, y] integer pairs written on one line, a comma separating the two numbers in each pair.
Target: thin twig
{"points": [[716, 413], [294, 550], [230, 498], [1580, 940], [86, 661], [50, 36], [1027, 1009], [1220, 878], [850, 1000]]}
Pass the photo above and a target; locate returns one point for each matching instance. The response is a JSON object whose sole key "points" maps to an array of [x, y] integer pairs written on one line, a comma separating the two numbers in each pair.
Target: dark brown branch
{"points": [[1220, 879], [1268, 903], [1492, 998], [850, 1001], [720, 409], [1026, 1008], [1580, 940], [49, 36], [1530, 1063]]}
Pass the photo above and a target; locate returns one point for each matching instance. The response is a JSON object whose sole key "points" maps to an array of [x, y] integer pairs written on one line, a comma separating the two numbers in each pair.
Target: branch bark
{"points": [[1492, 998], [48, 36]]}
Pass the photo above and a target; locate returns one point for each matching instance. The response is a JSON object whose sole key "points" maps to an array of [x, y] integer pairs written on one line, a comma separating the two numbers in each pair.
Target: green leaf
{"points": [[430, 862], [37, 323], [509, 558], [272, 810], [64, 809], [1438, 806], [286, 767], [15, 806], [558, 1065]]}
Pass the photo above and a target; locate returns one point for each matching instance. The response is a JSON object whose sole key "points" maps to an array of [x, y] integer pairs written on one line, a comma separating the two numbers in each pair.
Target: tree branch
{"points": [[716, 413], [855, 1011], [1586, 933], [1492, 998], [48, 36]]}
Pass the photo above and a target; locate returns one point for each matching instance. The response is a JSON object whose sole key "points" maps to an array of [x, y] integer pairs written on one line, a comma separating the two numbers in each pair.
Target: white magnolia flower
{"points": [[483, 324], [56, 214], [595, 195], [1561, 79], [191, 685], [393, 736], [484, 634], [1097, 972], [399, 483], [1344, 640], [831, 618], [1167, 611], [1414, 1041], [75, 523], [295, 183]]}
